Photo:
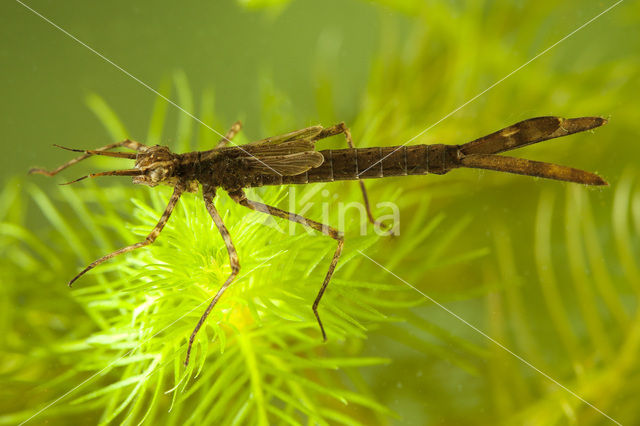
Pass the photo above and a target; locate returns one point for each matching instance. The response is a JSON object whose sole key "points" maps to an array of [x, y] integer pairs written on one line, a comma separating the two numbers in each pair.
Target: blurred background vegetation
{"points": [[547, 269]]}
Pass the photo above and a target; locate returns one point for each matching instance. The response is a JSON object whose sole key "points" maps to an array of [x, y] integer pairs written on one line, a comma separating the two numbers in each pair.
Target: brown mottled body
{"points": [[292, 159], [370, 163]]}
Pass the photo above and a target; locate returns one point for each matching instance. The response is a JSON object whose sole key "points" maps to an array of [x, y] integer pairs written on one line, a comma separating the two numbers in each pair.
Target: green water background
{"points": [[353, 61]]}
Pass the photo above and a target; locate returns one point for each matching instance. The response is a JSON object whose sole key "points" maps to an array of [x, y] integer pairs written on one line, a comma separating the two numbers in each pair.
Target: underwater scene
{"points": [[251, 282]]}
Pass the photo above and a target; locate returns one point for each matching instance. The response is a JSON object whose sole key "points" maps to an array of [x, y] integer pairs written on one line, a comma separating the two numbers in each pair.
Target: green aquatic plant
{"points": [[532, 286], [589, 332], [552, 275], [260, 358], [260, 355]]}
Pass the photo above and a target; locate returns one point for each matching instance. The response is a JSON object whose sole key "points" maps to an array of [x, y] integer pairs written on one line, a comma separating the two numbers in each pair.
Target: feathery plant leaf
{"points": [[589, 333], [261, 342], [558, 286]]}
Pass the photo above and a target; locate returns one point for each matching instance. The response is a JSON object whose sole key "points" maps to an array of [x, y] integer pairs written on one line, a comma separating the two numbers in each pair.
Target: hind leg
{"points": [[240, 198]]}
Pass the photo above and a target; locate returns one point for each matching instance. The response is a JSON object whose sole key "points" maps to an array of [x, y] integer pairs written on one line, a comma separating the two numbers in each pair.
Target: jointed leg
{"points": [[336, 130], [209, 193], [235, 128], [177, 191], [137, 146], [241, 198]]}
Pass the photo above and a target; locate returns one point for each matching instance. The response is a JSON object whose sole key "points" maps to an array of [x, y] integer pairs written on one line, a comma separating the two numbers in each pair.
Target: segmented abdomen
{"points": [[364, 163]]}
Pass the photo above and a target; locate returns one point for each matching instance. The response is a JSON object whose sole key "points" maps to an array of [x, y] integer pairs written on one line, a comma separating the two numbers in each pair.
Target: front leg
{"points": [[209, 193], [240, 198], [177, 191]]}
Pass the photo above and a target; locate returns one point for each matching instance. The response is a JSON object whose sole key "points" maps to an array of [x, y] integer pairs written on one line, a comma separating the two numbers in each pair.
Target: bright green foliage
{"points": [[549, 270], [260, 355]]}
